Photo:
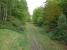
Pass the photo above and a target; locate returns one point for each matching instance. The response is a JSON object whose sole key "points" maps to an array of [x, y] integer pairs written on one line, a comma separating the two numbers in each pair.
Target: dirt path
{"points": [[35, 45]]}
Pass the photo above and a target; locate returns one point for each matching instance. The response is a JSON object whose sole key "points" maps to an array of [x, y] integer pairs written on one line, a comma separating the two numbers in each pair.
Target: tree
{"points": [[13, 13], [38, 15], [60, 33], [63, 4], [51, 13]]}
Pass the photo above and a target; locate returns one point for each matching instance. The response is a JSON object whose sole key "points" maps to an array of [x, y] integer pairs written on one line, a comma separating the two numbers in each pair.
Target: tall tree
{"points": [[38, 15], [14, 12], [51, 13]]}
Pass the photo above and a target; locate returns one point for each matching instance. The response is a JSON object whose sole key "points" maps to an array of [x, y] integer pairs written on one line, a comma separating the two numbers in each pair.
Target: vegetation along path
{"points": [[31, 39], [40, 41]]}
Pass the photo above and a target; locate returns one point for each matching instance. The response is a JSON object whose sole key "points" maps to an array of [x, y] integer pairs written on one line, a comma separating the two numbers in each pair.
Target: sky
{"points": [[32, 4]]}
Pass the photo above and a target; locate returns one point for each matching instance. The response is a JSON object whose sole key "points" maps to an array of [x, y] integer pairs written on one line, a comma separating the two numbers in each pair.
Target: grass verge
{"points": [[47, 43], [11, 40]]}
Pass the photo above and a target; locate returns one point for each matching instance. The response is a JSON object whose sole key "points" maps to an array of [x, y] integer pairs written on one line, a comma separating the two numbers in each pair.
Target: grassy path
{"points": [[35, 45], [31, 39], [40, 41]]}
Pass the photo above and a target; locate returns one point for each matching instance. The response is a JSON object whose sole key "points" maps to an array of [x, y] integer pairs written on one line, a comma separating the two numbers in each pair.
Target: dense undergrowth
{"points": [[53, 18]]}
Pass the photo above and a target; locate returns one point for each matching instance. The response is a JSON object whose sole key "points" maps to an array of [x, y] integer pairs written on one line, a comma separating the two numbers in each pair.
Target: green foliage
{"points": [[38, 15], [60, 33], [13, 12], [50, 16], [63, 4], [54, 19]]}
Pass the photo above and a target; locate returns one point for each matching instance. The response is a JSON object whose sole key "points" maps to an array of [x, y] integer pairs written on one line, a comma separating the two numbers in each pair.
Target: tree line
{"points": [[53, 18], [13, 14]]}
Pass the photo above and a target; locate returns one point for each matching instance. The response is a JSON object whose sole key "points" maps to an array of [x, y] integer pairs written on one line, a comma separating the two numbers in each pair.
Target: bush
{"points": [[60, 32]]}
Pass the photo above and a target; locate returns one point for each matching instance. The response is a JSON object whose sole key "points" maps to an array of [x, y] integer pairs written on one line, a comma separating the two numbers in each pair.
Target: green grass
{"points": [[48, 44], [43, 38], [11, 40]]}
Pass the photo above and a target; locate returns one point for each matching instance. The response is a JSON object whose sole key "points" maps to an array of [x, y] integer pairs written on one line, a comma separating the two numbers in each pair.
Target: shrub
{"points": [[60, 32]]}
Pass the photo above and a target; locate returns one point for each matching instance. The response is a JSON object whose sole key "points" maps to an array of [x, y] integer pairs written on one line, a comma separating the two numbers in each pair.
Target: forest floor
{"points": [[33, 38]]}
